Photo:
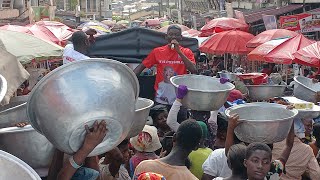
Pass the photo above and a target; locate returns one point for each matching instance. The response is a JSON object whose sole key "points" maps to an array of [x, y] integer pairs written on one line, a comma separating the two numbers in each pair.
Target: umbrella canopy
{"points": [[51, 30], [191, 33], [109, 23], [283, 52], [268, 35], [151, 22], [16, 28], [166, 23], [309, 55], [223, 24], [55, 32], [165, 29], [233, 42], [98, 26], [27, 47], [123, 22]]}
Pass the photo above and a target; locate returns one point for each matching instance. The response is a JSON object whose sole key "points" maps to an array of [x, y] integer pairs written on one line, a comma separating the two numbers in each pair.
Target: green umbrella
{"points": [[27, 47]]}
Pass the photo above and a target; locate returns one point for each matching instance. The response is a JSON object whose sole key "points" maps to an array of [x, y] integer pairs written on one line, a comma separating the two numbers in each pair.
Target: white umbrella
{"points": [[27, 47]]}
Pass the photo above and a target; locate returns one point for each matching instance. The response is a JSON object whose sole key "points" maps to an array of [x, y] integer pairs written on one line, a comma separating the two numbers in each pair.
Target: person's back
{"points": [[301, 160], [172, 167], [197, 159], [77, 50], [168, 171], [216, 165]]}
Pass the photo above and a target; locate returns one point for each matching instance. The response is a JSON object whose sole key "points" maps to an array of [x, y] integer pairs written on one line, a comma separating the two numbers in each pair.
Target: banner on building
{"points": [[270, 22], [305, 22]]}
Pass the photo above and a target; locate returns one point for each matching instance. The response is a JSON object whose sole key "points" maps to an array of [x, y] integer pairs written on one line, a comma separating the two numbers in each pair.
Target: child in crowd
{"points": [[236, 156], [159, 115], [112, 167], [145, 144]]}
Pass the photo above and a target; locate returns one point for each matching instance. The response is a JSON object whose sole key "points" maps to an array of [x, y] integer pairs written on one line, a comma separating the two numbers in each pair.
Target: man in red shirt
{"points": [[171, 59]]}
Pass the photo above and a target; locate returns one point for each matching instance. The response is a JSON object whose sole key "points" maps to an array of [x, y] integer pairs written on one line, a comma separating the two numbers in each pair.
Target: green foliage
{"points": [[73, 4]]}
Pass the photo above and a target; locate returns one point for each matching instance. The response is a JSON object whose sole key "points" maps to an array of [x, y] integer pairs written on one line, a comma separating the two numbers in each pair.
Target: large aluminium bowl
{"points": [[265, 92], [28, 145], [262, 122], [12, 113], [79, 93], [3, 87], [228, 75], [304, 113], [204, 93], [305, 89], [14, 169], [143, 107]]}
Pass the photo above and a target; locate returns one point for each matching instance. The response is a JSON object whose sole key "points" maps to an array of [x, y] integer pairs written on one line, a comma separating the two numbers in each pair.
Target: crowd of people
{"points": [[183, 144]]}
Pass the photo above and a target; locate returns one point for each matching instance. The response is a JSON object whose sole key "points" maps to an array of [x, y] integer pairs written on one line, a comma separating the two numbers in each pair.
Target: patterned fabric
{"points": [[149, 176], [144, 140], [276, 170]]}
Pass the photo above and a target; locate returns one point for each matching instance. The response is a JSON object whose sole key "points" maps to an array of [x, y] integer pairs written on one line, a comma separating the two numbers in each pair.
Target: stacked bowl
{"points": [[24, 143]]}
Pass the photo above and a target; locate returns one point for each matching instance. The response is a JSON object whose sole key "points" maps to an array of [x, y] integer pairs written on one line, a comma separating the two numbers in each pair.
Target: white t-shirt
{"points": [[218, 178], [167, 91], [70, 55], [216, 165]]}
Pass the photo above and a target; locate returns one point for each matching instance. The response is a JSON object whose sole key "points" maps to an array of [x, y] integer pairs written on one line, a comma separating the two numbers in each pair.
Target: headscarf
{"points": [[150, 176], [234, 95], [204, 129]]}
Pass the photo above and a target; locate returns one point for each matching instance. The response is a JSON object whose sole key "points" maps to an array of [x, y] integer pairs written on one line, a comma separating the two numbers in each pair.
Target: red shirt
{"points": [[165, 57]]}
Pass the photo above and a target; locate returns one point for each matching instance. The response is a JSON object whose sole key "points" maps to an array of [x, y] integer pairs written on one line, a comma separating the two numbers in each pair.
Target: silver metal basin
{"points": [[28, 145], [262, 122], [204, 93], [79, 93], [305, 113], [265, 92], [228, 75], [3, 87], [305, 89], [15, 169], [143, 107], [12, 113]]}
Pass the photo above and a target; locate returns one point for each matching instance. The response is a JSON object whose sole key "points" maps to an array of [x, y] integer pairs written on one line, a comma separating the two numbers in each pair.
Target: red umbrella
{"points": [[259, 52], [233, 42], [50, 30], [191, 33], [28, 30], [152, 22], [279, 51], [16, 28], [223, 24], [165, 28], [283, 54], [270, 35], [309, 55]]}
